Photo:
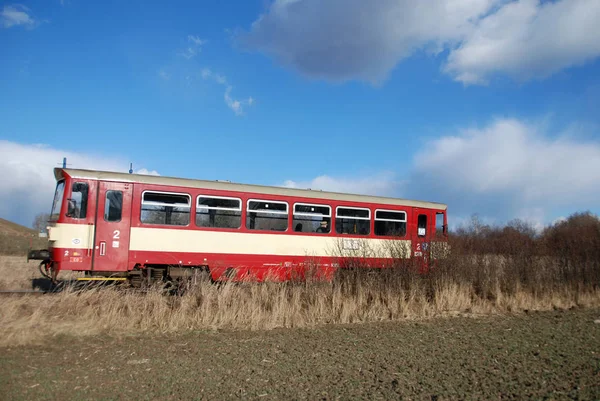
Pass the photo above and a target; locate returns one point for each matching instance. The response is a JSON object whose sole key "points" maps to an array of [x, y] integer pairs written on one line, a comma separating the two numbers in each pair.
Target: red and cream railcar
{"points": [[141, 226]]}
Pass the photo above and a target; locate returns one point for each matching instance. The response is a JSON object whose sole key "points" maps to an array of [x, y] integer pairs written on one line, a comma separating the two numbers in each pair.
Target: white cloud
{"points": [[382, 184], [164, 75], [27, 182], [505, 170], [510, 169], [237, 105], [354, 39], [220, 79], [206, 73], [16, 15], [194, 48], [510, 156], [189, 53], [527, 39], [196, 40], [145, 171]]}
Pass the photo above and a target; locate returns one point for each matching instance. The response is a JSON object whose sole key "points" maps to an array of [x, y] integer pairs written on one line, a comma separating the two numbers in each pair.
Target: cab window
{"points": [[77, 203]]}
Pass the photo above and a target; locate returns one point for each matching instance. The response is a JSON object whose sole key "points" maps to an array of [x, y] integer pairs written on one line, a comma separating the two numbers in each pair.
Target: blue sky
{"points": [[487, 105]]}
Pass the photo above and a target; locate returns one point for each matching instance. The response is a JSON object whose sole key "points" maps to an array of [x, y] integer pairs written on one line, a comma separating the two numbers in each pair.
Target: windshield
{"points": [[58, 198]]}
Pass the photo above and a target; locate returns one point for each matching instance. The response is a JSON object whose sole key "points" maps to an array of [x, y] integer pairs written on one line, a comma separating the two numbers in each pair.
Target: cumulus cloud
{"points": [[505, 170], [510, 169], [16, 15], [27, 182], [354, 39], [527, 39]]}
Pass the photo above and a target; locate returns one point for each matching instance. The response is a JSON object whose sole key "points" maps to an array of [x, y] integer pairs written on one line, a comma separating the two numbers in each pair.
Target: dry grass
{"points": [[490, 271], [16, 273], [357, 298]]}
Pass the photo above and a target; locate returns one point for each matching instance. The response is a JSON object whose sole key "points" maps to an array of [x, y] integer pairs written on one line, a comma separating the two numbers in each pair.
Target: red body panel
{"points": [[111, 239]]}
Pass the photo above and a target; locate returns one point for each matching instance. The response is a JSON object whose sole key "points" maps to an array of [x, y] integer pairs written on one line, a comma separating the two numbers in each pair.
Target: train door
{"points": [[113, 215], [421, 238]]}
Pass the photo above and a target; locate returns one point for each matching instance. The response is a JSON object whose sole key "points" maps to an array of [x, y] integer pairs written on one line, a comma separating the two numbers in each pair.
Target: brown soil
{"points": [[538, 355]]}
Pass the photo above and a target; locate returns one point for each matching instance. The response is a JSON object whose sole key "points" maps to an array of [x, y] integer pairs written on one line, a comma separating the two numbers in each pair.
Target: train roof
{"points": [[229, 186]]}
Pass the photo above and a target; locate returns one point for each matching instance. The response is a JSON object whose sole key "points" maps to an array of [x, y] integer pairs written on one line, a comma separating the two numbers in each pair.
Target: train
{"points": [[144, 228]]}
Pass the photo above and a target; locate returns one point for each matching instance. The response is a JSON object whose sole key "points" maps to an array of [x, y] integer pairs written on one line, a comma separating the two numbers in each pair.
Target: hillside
{"points": [[10, 228], [16, 239]]}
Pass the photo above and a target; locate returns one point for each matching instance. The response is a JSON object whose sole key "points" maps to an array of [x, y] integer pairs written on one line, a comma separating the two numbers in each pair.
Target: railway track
{"points": [[43, 286], [26, 292], [77, 288]]}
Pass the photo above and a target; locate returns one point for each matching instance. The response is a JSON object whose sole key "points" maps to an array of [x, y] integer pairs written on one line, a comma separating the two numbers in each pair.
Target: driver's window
{"points": [[439, 224], [78, 201]]}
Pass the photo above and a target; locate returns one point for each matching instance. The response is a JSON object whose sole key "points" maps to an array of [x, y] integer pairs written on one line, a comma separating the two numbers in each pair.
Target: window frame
{"points": [[106, 203], [352, 217], [310, 214], [287, 205], [152, 203], [55, 216], [84, 200], [391, 211], [241, 203], [325, 216], [369, 219], [248, 210], [218, 207], [405, 221]]}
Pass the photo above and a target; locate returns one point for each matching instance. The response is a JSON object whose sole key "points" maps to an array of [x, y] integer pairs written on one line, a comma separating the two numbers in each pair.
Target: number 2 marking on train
{"points": [[116, 234], [418, 246]]}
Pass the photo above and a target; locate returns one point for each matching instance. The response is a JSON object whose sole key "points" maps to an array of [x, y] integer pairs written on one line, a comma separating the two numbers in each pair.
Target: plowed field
{"points": [[539, 355]]}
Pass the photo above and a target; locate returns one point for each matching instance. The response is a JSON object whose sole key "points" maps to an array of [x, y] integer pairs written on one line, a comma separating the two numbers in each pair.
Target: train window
{"points": [[351, 220], [310, 218], [267, 215], [390, 223], [113, 206], [57, 202], [77, 206], [440, 228], [217, 211], [165, 208], [422, 225]]}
